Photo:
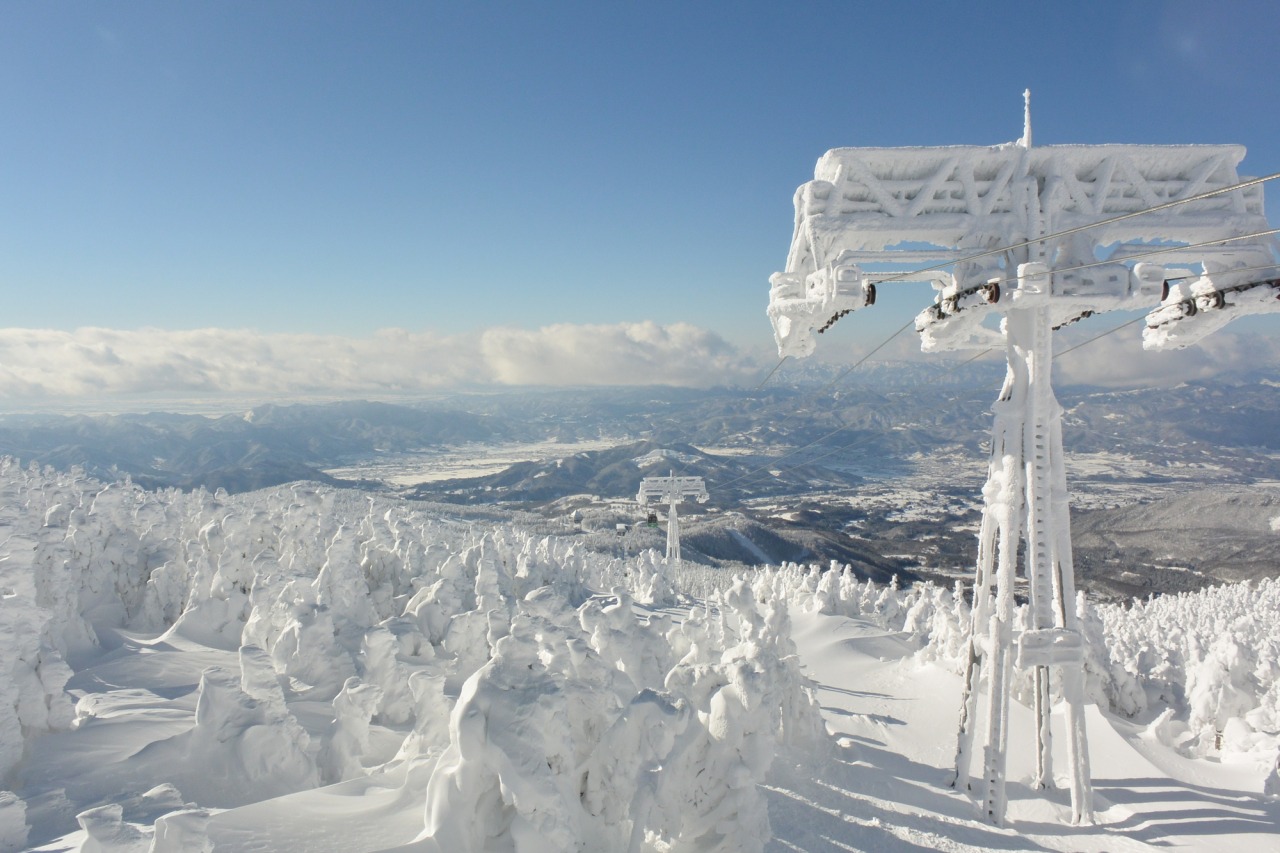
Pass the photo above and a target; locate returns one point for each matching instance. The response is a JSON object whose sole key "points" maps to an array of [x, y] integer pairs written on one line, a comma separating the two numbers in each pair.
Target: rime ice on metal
{"points": [[671, 490], [995, 216], [1197, 306]]}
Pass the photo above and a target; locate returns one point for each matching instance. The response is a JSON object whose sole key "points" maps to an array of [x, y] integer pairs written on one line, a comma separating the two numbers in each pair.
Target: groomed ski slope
{"points": [[886, 783]]}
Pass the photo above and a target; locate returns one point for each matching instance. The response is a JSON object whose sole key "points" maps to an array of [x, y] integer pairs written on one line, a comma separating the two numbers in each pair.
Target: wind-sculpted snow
{"points": [[1210, 660], [559, 740], [568, 701]]}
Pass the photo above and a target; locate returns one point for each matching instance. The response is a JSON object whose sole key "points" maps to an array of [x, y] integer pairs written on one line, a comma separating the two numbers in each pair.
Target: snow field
{"points": [[1203, 667], [309, 668]]}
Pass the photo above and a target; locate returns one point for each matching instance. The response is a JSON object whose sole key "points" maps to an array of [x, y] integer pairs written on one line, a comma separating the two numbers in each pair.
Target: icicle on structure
{"points": [[671, 490], [952, 207]]}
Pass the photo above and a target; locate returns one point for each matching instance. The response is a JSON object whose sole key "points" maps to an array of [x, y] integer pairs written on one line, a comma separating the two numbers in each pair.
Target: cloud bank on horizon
{"points": [[39, 365], [1119, 361]]}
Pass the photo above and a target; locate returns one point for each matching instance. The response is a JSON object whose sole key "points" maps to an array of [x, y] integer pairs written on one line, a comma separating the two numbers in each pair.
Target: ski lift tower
{"points": [[671, 490], [1023, 230]]}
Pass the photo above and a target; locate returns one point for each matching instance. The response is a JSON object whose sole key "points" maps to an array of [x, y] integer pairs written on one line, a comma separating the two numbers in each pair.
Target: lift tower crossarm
{"points": [[896, 206], [672, 488], [895, 200]]}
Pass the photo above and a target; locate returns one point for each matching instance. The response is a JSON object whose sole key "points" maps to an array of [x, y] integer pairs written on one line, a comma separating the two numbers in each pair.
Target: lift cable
{"points": [[814, 396], [1164, 250], [773, 462], [1161, 251], [1097, 337], [790, 453], [906, 276], [859, 362], [771, 372], [1057, 234], [1234, 270], [852, 367]]}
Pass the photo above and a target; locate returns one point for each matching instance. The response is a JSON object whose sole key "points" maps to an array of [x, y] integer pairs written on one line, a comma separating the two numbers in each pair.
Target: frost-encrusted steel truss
{"points": [[953, 206], [671, 490]]}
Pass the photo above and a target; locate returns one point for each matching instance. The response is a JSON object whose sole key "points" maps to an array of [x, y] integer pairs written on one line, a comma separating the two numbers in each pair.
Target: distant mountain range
{"points": [[263, 447], [884, 473]]}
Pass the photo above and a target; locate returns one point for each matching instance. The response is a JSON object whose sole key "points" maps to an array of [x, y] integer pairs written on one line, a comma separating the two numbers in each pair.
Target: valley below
{"points": [[1171, 489]]}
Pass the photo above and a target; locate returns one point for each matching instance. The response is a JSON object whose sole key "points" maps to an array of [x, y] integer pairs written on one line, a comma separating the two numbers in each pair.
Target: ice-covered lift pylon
{"points": [[671, 490], [959, 207]]}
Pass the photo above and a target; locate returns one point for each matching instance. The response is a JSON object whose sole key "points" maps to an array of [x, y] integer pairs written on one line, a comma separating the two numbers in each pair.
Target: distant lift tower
{"points": [[671, 491], [1036, 238]]}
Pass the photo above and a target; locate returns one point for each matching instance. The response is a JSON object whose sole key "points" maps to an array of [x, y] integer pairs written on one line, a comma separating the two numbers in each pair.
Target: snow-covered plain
{"points": [[471, 460], [305, 668]]}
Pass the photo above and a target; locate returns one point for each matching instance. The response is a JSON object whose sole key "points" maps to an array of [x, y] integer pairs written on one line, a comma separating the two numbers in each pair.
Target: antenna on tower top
{"points": [[1025, 141]]}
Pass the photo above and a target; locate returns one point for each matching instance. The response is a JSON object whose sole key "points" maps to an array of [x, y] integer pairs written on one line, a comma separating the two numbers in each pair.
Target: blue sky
{"points": [[339, 168]]}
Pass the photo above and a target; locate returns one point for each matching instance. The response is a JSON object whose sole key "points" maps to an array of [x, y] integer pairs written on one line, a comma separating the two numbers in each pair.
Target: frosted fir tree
{"points": [[348, 737]]}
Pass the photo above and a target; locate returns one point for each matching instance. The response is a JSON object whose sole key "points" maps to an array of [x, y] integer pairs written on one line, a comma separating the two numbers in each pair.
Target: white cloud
{"points": [[90, 364], [621, 354], [95, 362], [1118, 360]]}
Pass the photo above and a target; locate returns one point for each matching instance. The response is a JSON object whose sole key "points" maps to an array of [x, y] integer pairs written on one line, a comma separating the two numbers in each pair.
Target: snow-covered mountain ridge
{"points": [[319, 668], [881, 423], [865, 470]]}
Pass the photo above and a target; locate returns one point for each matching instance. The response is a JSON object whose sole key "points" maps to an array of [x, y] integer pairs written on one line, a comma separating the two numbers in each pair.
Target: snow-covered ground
{"points": [[447, 463], [313, 669]]}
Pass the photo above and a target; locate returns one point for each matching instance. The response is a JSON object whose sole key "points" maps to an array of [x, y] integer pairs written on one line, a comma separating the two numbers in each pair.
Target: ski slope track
{"points": [[307, 668]]}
